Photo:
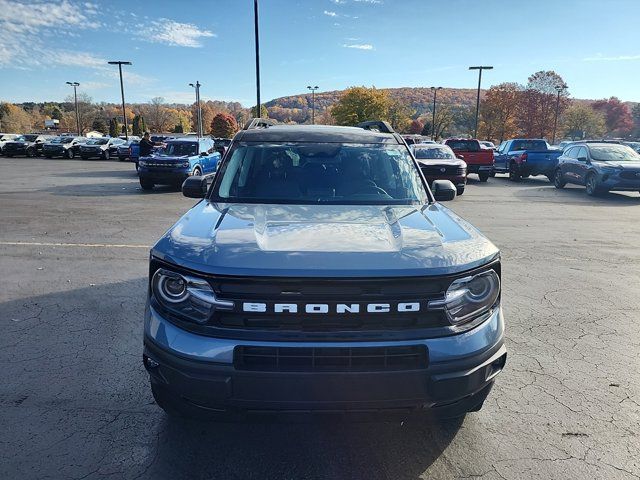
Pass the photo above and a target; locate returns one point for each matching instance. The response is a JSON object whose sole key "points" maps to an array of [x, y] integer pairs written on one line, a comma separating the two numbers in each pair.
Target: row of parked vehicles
{"points": [[600, 166]]}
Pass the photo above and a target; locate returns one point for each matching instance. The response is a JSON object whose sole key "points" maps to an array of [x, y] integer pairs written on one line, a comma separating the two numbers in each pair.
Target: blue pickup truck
{"points": [[522, 157], [178, 160]]}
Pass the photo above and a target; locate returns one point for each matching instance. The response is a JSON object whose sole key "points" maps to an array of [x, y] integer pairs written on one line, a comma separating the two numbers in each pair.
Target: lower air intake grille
{"points": [[296, 359]]}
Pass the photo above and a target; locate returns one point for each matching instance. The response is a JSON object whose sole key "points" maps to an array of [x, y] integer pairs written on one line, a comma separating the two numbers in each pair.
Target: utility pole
{"points": [[433, 113], [313, 103], [124, 112], [255, 21], [197, 86], [75, 97], [475, 130], [559, 89]]}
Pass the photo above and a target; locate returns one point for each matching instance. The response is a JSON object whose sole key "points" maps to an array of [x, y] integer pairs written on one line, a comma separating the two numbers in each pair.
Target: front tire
{"points": [[31, 153], [514, 174], [70, 154], [105, 155], [146, 184], [459, 191], [558, 179], [483, 177], [592, 185]]}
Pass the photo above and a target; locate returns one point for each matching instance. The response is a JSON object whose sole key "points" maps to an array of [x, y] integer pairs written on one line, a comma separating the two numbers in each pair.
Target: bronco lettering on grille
{"points": [[325, 308]]}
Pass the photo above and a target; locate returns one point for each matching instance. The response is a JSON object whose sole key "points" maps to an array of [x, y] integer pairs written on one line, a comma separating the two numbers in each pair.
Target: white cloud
{"points": [[372, 2], [173, 33], [339, 2], [619, 58], [330, 14], [359, 46]]}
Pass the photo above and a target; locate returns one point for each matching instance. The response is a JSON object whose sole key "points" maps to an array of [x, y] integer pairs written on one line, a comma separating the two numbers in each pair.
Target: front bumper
{"points": [[164, 175], [200, 372], [613, 182], [91, 153], [480, 168]]}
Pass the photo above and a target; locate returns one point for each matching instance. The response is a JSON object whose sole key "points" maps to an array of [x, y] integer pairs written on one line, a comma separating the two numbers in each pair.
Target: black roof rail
{"points": [[377, 125], [259, 123]]}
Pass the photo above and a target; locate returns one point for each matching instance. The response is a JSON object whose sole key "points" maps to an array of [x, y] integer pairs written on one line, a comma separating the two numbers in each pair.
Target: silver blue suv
{"points": [[319, 273]]}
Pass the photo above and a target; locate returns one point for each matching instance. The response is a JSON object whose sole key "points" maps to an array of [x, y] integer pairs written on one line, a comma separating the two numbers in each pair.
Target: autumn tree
{"points": [[184, 122], [416, 127], [582, 121], [264, 113], [86, 111], [160, 118], [14, 119], [537, 104], [359, 104], [498, 112], [618, 117], [443, 121], [399, 116], [224, 125]]}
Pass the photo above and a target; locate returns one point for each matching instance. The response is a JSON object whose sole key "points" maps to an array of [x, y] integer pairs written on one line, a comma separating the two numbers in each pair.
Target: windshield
{"points": [[61, 140], [466, 145], [98, 141], [617, 153], [529, 145], [26, 138], [180, 149], [344, 174], [434, 153]]}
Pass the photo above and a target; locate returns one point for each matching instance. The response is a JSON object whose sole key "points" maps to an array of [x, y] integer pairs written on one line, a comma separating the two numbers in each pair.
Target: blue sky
{"points": [[594, 45]]}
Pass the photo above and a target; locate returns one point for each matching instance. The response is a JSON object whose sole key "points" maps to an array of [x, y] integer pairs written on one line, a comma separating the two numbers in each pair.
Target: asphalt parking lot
{"points": [[74, 398]]}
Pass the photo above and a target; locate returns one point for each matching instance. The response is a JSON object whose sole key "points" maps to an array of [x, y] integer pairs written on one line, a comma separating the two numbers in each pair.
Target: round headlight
{"points": [[170, 287], [470, 297]]}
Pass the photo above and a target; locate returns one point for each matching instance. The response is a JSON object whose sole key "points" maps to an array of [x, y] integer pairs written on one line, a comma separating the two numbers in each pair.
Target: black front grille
{"points": [[630, 175], [293, 359], [434, 170]]}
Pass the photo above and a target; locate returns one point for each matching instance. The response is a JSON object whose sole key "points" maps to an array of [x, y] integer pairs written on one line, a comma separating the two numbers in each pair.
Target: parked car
{"points": [[6, 137], [601, 167], [438, 162], [478, 159], [62, 147], [134, 148], [319, 272], [124, 151], [522, 157], [103, 148], [29, 145], [634, 145], [178, 160], [487, 144], [414, 138]]}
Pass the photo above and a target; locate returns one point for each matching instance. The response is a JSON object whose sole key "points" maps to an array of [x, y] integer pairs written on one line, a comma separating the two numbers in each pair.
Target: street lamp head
{"points": [[564, 86], [192, 85], [73, 84], [119, 63], [487, 67]]}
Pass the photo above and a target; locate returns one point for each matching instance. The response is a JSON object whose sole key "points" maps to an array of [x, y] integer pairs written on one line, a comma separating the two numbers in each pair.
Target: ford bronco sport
{"points": [[319, 272]]}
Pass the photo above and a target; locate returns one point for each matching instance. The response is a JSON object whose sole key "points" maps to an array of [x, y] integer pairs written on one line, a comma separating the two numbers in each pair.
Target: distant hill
{"points": [[297, 108]]}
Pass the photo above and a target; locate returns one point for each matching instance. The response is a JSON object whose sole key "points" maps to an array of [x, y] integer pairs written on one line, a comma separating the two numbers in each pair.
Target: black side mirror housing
{"points": [[195, 187], [443, 190], [461, 157], [582, 159], [203, 154]]}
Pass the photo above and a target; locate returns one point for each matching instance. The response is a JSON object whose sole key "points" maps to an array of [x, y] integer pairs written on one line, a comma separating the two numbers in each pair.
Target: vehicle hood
{"points": [[441, 161], [623, 165], [171, 158], [323, 240]]}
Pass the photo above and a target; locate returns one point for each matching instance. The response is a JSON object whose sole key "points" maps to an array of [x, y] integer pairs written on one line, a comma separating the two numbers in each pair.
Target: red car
{"points": [[479, 160], [438, 162]]}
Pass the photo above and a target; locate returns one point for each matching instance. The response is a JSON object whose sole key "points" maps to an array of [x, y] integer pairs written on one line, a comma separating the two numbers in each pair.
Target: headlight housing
{"points": [[470, 297], [185, 295], [142, 163]]}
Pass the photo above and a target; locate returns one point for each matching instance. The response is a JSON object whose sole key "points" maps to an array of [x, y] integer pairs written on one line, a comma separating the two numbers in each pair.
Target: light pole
{"points": [[75, 97], [257, 37], [433, 113], [313, 103], [559, 89], [475, 130], [197, 86], [124, 112]]}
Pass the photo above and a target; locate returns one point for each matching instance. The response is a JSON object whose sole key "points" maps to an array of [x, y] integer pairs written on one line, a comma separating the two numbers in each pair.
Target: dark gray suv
{"points": [[319, 273]]}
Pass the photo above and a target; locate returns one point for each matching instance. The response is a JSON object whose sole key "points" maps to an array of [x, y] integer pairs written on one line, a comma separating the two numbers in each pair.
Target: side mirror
{"points": [[582, 159], [203, 154], [195, 187], [461, 157], [443, 190]]}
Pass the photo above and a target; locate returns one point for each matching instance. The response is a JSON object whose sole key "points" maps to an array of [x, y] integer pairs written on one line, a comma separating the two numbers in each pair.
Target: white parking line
{"points": [[81, 245]]}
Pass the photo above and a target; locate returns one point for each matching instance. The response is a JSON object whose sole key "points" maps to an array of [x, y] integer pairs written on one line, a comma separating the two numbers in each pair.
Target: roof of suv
{"points": [[315, 134]]}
